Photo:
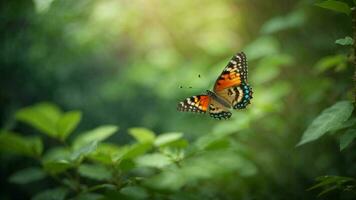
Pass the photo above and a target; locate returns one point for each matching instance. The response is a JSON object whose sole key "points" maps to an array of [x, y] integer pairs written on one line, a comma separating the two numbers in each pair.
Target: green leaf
{"points": [[180, 143], [155, 160], [27, 175], [96, 172], [322, 181], [48, 119], [214, 164], [136, 150], [57, 160], [329, 189], [67, 123], [57, 153], [90, 196], [142, 135], [330, 183], [263, 46], [280, 23], [349, 123], [214, 141], [56, 166], [167, 138], [135, 192], [337, 61], [345, 41], [98, 134], [218, 144], [52, 194], [106, 153], [84, 151], [42, 116], [330, 118], [15, 143], [336, 6], [42, 6], [347, 138], [114, 194], [126, 165]]}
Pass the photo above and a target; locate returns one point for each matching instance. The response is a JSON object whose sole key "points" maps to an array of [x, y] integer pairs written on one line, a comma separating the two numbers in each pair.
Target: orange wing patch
{"points": [[203, 102], [199, 104], [234, 73], [227, 80]]}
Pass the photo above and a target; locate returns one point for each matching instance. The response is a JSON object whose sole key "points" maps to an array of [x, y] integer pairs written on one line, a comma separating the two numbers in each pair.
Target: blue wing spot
{"points": [[247, 96]]}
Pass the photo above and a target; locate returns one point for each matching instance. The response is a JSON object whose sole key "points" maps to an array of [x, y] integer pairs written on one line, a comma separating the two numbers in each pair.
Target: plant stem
{"points": [[353, 14]]}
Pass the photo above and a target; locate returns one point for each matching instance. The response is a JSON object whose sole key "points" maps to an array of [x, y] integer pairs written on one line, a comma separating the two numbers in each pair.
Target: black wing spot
{"points": [[221, 115]]}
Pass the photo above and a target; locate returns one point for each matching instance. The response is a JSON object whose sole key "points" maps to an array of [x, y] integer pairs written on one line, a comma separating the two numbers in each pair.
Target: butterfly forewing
{"points": [[233, 74], [198, 103], [232, 84]]}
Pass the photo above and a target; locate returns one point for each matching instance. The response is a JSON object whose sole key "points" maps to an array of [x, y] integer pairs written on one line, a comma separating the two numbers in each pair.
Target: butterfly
{"points": [[231, 90]]}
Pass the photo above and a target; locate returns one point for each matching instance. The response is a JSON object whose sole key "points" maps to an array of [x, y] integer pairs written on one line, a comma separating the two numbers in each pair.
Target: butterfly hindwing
{"points": [[242, 96], [232, 83], [198, 103], [218, 111]]}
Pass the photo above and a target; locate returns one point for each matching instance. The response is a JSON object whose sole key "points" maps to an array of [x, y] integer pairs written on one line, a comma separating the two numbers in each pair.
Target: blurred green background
{"points": [[129, 63]]}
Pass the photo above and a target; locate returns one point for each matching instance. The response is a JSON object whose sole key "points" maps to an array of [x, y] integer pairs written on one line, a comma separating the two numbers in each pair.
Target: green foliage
{"points": [[330, 119], [168, 139], [338, 62], [52, 194], [337, 6], [330, 183], [156, 160], [135, 150], [276, 24], [263, 46], [96, 172], [84, 150], [347, 138], [48, 119], [135, 192], [345, 41], [142, 135], [42, 5], [206, 166], [107, 153], [27, 175], [96, 135], [56, 166], [104, 165], [15, 143], [67, 123], [42, 116], [269, 68]]}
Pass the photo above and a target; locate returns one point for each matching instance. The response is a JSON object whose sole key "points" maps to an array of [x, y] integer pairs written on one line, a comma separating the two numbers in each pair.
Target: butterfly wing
{"points": [[218, 111], [204, 104], [198, 103], [232, 84]]}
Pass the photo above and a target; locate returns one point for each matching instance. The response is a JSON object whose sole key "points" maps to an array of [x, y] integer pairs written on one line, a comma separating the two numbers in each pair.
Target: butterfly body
{"points": [[231, 90], [214, 96]]}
